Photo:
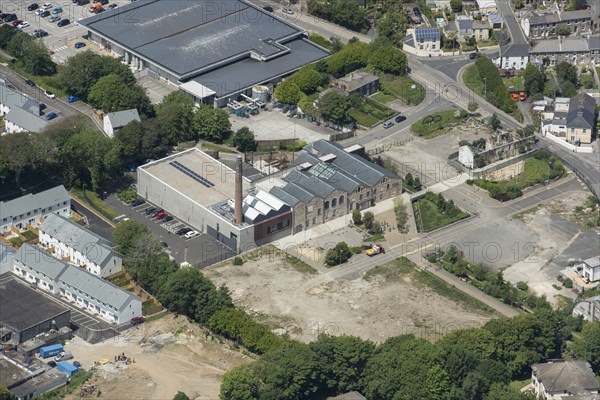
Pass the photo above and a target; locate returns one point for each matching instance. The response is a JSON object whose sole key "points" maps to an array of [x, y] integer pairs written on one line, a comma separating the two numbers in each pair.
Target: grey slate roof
{"points": [[11, 98], [188, 36], [97, 287], [572, 377], [31, 202], [309, 183], [248, 72], [581, 114], [26, 120], [349, 396], [465, 24], [121, 118], [41, 261], [515, 50], [543, 19], [298, 192], [94, 247], [284, 196]]}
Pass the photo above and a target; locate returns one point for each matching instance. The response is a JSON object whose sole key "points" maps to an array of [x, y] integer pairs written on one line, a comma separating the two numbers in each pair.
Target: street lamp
{"points": [[484, 86]]}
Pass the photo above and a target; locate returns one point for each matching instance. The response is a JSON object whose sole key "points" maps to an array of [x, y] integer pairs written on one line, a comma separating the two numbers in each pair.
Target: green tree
{"points": [[566, 72], [244, 140], [16, 149], [307, 79], [240, 383], [500, 391], [495, 123], [126, 234], [5, 394], [389, 60], [335, 107], [368, 219], [391, 28], [289, 372], [533, 80], [338, 255], [175, 114], [32, 55], [356, 217], [563, 31], [343, 360], [288, 92], [3, 167], [417, 183], [474, 387], [212, 123], [350, 58], [84, 69], [438, 383], [181, 396], [190, 293], [472, 107], [7, 32], [456, 5], [587, 345], [112, 94]]}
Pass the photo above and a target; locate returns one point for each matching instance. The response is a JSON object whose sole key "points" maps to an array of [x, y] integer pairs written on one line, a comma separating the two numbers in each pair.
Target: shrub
{"points": [[237, 261], [568, 283], [522, 286]]}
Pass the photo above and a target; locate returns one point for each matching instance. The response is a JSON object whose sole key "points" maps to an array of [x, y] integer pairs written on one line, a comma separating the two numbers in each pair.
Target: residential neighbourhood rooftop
{"points": [[31, 202], [121, 118], [569, 377]]}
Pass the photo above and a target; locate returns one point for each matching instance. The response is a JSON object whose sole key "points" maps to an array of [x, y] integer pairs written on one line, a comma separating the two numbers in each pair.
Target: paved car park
{"points": [[200, 251]]}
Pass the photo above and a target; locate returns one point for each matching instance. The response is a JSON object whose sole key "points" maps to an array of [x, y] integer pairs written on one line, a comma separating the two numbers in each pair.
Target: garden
{"points": [[540, 167], [403, 87], [433, 211], [369, 112], [438, 123]]}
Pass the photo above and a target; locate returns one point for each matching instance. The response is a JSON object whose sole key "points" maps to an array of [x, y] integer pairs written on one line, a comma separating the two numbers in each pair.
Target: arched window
{"points": [[334, 203], [327, 205], [341, 200]]}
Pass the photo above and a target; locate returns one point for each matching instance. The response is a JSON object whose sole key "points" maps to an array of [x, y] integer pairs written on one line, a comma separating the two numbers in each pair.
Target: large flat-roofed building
{"points": [[202, 192], [25, 313], [214, 50]]}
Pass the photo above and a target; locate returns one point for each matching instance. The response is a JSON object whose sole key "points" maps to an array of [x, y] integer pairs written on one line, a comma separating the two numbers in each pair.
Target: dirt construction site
{"points": [[304, 304], [163, 357]]}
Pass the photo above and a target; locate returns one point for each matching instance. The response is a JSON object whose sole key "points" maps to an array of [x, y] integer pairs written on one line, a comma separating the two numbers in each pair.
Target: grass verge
{"points": [[300, 265], [403, 87], [216, 147], [433, 212], [382, 97], [91, 199], [437, 123]]}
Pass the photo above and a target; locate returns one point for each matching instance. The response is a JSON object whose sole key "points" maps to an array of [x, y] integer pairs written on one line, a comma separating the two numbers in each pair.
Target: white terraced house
{"points": [[81, 247], [85, 290]]}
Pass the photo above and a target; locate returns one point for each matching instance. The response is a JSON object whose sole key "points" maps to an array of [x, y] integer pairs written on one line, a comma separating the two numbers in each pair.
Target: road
{"points": [[516, 34]]}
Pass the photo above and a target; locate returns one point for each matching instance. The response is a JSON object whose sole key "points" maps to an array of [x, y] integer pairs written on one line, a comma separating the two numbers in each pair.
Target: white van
{"points": [[63, 356]]}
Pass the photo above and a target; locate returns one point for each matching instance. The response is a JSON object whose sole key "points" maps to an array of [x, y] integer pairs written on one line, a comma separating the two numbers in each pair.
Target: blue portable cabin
{"points": [[66, 367], [52, 350]]}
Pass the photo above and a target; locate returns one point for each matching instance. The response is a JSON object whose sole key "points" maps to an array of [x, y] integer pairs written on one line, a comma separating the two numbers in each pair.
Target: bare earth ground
{"points": [[189, 361], [557, 226], [305, 305]]}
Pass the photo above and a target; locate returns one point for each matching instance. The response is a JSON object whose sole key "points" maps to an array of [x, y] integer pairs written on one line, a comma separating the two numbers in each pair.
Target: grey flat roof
{"points": [[22, 307], [248, 72], [121, 118], [187, 35], [31, 202], [26, 120]]}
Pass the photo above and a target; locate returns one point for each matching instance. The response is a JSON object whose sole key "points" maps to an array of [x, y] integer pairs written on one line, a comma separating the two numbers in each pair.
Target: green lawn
{"points": [[370, 112], [429, 217], [402, 267], [436, 124], [514, 83], [402, 88], [382, 97], [28, 235], [587, 81], [92, 200], [46, 82], [363, 119]]}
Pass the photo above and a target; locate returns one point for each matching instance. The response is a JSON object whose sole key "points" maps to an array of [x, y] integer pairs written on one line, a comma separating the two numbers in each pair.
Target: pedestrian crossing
{"points": [[61, 48]]}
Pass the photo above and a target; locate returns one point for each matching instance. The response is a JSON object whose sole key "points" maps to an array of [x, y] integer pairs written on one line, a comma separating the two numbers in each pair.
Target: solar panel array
{"points": [[427, 34], [191, 174]]}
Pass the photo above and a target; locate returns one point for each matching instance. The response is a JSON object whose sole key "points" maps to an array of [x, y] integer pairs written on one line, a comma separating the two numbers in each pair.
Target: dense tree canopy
{"points": [[389, 60], [288, 92], [244, 140], [31, 54], [175, 115], [534, 80], [110, 93], [211, 123], [307, 78], [587, 346], [346, 13], [351, 57], [335, 107]]}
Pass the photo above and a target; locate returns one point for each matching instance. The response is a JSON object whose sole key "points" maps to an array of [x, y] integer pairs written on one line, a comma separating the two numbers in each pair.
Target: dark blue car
{"points": [[51, 115], [72, 99]]}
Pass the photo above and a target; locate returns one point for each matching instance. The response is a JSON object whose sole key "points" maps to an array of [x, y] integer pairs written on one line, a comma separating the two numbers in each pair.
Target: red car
{"points": [[16, 22], [137, 320], [161, 215]]}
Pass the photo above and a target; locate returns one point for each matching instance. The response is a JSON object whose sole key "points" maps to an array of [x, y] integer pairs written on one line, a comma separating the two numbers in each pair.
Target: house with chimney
{"points": [[360, 82], [574, 49], [539, 26], [562, 380], [572, 120]]}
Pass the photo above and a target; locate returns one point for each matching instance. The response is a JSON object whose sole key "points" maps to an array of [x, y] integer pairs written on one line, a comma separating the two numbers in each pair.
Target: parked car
{"points": [[268, 8], [23, 25], [63, 356], [3, 15], [39, 33], [137, 202], [49, 94], [161, 215], [63, 22], [42, 107], [32, 6], [400, 118], [52, 364], [54, 18], [472, 56], [77, 364], [137, 320], [150, 210], [16, 22], [388, 124], [168, 218], [47, 6], [44, 14], [416, 11], [82, 2], [72, 99], [51, 116], [191, 234], [155, 213], [183, 231], [10, 17], [57, 10], [30, 82], [288, 11], [111, 6], [79, 45]]}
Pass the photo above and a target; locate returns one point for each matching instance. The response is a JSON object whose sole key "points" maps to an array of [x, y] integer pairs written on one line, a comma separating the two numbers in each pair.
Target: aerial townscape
{"points": [[300, 200]]}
